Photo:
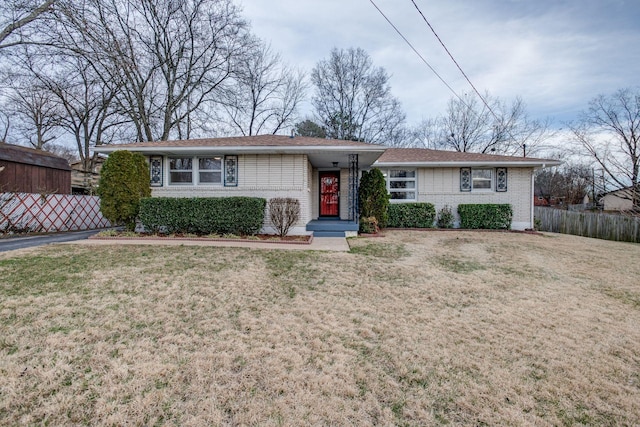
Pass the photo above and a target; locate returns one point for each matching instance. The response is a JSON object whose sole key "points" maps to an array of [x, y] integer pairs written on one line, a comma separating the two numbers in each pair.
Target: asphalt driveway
{"points": [[22, 242]]}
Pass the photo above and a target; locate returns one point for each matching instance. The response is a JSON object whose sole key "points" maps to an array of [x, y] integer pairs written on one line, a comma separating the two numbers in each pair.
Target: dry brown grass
{"points": [[410, 329]]}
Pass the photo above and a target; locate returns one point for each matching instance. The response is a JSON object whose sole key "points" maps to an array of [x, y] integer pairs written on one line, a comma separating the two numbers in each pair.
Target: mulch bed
{"points": [[258, 238]]}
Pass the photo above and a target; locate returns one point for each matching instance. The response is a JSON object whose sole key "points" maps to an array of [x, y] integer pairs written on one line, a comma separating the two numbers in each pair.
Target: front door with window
{"points": [[330, 193]]}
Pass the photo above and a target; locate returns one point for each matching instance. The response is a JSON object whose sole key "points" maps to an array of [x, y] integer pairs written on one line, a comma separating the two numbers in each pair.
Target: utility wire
{"points": [[449, 53], [484, 101], [416, 52]]}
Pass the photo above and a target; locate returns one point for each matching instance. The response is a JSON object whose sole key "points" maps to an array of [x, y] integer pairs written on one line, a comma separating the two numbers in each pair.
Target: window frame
{"points": [[220, 170], [196, 170], [171, 171], [414, 179], [491, 180], [497, 182]]}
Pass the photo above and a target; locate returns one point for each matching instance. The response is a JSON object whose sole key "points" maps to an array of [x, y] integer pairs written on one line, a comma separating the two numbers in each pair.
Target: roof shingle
{"points": [[253, 141], [425, 155]]}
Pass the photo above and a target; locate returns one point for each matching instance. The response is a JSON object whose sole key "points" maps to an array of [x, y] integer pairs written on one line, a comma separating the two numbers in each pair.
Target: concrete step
{"points": [[328, 234], [332, 225]]}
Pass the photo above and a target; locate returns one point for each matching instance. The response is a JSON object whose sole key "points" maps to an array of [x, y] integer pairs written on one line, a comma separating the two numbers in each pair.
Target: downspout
{"points": [[532, 195]]}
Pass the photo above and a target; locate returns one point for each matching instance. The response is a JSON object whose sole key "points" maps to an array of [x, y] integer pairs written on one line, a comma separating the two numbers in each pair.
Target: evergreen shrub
{"points": [[373, 198], [124, 181], [445, 217], [485, 216]]}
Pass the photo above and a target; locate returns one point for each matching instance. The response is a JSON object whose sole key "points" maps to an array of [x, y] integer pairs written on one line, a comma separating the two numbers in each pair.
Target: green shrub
{"points": [[445, 217], [486, 216], [369, 225], [373, 199], [202, 216], [411, 215], [124, 180]]}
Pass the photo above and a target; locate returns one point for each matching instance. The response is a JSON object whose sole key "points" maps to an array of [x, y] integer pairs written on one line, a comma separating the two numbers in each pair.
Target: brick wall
{"points": [[441, 186], [266, 176]]}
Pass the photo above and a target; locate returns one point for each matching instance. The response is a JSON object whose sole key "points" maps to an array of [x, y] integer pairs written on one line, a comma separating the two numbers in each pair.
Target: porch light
{"points": [[335, 164]]}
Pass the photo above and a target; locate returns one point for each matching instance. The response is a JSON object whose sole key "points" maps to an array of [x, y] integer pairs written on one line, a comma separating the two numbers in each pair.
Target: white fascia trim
{"points": [[160, 150], [478, 164]]}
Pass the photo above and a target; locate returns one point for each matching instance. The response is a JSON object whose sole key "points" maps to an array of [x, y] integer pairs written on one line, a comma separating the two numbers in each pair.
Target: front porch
{"points": [[333, 228]]}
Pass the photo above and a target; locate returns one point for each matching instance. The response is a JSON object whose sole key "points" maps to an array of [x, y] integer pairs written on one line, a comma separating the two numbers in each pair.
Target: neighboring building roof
{"points": [[31, 156], [78, 165], [426, 157], [624, 190]]}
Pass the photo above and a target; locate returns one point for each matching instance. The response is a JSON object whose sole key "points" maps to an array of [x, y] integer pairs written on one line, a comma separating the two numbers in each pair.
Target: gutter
{"points": [[478, 163]]}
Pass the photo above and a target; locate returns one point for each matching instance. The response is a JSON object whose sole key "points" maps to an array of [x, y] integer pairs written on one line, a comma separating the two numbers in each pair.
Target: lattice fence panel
{"points": [[22, 212]]}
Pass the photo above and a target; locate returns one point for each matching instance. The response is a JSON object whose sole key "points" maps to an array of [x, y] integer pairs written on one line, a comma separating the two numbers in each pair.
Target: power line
{"points": [[484, 101], [416, 52]]}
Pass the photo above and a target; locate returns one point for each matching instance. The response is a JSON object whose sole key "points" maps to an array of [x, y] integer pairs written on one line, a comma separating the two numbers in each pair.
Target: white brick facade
{"points": [[265, 176], [441, 186], [269, 166]]}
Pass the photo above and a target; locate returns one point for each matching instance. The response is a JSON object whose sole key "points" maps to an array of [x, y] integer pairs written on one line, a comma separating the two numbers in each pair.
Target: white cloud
{"points": [[556, 55]]}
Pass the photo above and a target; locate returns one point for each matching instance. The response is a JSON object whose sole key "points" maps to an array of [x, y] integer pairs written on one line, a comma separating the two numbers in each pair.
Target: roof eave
{"points": [[478, 163], [240, 149]]}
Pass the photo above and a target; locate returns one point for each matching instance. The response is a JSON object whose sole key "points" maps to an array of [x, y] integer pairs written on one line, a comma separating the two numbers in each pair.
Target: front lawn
{"points": [[415, 328]]}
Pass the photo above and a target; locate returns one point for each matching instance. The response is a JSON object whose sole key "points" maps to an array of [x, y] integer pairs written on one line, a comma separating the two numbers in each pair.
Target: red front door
{"points": [[329, 193]]}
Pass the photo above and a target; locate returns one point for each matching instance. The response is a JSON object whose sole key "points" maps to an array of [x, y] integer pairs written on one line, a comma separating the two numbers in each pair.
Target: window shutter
{"points": [[501, 179], [465, 179], [230, 171], [155, 169]]}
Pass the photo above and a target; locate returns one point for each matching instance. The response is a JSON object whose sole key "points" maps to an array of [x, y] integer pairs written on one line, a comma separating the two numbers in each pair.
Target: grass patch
{"points": [[386, 251], [623, 295], [459, 266], [407, 329]]}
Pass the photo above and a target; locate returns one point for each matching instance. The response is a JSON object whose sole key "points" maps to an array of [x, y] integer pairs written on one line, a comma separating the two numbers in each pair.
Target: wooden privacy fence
{"points": [[620, 228], [30, 212]]}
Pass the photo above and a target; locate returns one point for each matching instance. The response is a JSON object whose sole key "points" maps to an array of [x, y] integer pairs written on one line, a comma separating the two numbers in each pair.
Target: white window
{"points": [[401, 184], [181, 170], [210, 170], [481, 179], [195, 170]]}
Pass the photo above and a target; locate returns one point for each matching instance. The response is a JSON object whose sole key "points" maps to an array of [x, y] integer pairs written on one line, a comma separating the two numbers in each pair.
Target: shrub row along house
{"points": [[323, 175]]}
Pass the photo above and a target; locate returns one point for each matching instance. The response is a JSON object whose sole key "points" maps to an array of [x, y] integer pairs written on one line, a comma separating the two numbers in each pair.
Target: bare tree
{"points": [[569, 183], [471, 125], [266, 94], [609, 133], [36, 113], [65, 151], [168, 59], [86, 104], [15, 15], [353, 98], [5, 125], [426, 134]]}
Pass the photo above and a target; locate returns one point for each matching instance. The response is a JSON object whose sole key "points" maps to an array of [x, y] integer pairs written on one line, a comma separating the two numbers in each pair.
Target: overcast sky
{"points": [[555, 54]]}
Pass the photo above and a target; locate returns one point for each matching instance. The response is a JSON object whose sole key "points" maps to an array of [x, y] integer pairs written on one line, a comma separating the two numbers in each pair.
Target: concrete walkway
{"points": [[338, 244]]}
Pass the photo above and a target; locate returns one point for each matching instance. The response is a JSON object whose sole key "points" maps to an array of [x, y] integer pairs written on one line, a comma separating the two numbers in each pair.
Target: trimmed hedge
{"points": [[411, 215], [203, 215], [485, 216]]}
